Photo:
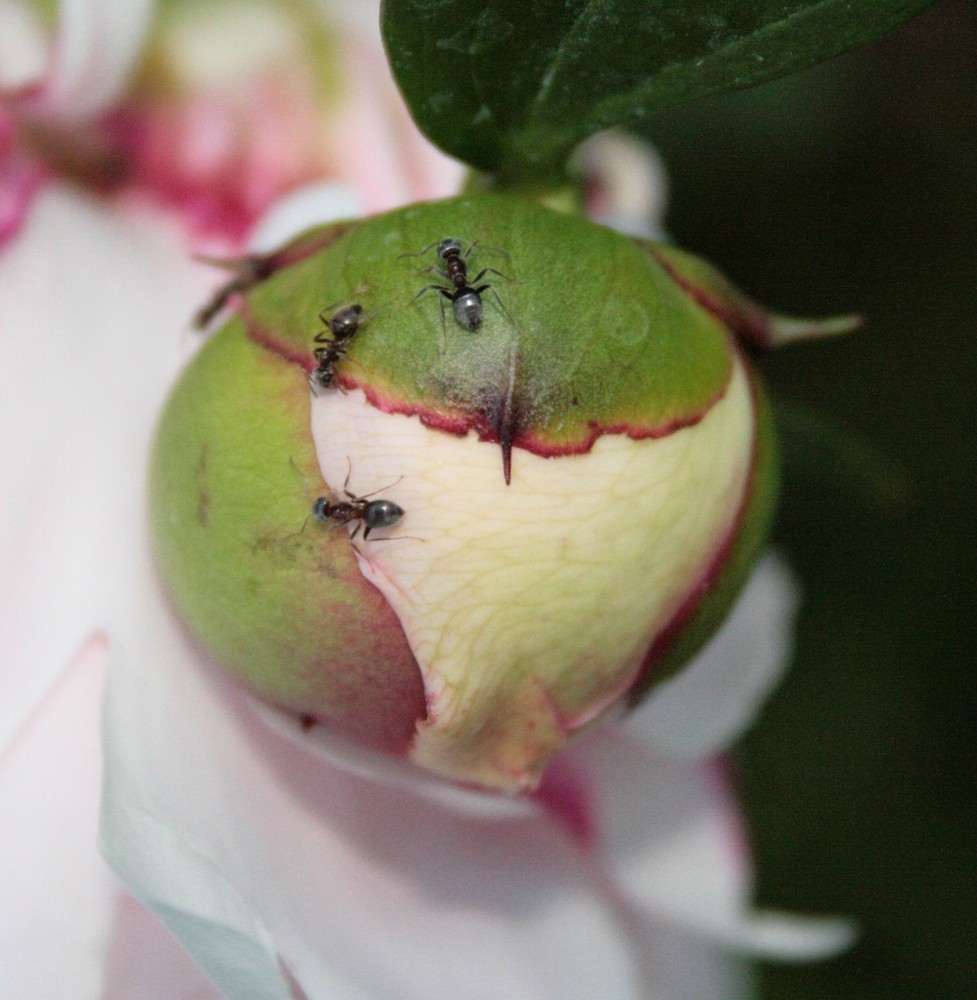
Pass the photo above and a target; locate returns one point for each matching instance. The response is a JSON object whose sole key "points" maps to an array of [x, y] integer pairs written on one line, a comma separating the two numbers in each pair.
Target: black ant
{"points": [[342, 325], [372, 513], [249, 271], [463, 294]]}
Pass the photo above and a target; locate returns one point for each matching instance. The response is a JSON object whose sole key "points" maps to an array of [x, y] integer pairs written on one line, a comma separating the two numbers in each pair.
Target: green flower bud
{"points": [[586, 475]]}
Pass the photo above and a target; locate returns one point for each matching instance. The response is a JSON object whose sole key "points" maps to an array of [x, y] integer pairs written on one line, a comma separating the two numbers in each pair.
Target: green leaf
{"points": [[512, 86], [817, 450]]}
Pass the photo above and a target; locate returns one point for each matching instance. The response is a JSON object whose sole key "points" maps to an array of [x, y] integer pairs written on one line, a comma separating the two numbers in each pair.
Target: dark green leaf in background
{"points": [[853, 187], [821, 453], [512, 86]]}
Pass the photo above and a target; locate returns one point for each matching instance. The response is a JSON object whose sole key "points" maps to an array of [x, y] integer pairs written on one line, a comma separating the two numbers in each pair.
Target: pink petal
{"points": [[251, 848], [91, 309], [20, 180], [379, 149], [672, 849], [142, 954], [66, 928], [714, 699], [56, 903]]}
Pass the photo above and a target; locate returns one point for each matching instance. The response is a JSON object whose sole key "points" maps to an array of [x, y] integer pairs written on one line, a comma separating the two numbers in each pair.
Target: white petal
{"points": [[630, 182], [56, 900], [95, 48], [143, 954], [251, 848], [375, 766], [716, 697], [22, 53], [669, 836], [91, 313], [307, 206]]}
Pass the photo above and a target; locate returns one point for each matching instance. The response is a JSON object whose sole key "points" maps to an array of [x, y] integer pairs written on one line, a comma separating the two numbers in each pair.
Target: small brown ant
{"points": [[372, 513], [342, 325], [249, 271], [464, 295]]}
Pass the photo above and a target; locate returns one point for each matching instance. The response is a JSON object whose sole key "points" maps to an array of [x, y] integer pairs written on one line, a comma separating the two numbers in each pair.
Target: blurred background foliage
{"points": [[853, 187]]}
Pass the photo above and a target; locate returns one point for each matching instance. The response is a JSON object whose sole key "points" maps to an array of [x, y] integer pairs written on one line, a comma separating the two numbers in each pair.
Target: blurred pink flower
{"points": [[283, 868]]}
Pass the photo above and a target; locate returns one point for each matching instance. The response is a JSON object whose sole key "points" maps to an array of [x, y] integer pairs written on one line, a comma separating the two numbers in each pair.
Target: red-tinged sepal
{"points": [[752, 324]]}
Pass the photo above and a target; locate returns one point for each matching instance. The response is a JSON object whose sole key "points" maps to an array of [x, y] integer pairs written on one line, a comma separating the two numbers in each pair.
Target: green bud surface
{"points": [[587, 475]]}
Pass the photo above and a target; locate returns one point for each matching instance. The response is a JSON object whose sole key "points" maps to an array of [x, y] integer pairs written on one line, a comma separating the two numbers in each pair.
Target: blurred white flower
{"points": [[282, 873]]}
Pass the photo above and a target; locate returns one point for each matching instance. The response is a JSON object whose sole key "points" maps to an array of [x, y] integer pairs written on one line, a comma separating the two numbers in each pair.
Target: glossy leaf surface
{"points": [[511, 87]]}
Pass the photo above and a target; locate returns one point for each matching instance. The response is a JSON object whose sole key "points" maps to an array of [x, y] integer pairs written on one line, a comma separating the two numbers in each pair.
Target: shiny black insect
{"points": [[464, 295], [342, 325], [371, 513]]}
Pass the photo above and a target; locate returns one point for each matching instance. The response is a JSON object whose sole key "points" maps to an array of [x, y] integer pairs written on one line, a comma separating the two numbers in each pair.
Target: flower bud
{"points": [[580, 451]]}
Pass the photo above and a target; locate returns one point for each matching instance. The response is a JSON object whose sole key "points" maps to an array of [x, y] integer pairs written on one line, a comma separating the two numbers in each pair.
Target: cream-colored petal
{"points": [[529, 607]]}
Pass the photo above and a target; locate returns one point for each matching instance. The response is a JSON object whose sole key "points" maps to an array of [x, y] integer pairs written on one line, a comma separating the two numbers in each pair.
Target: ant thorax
{"points": [[464, 295], [341, 326]]}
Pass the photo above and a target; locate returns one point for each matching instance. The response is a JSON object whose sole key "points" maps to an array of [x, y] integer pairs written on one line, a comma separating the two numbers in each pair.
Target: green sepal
{"points": [[592, 334], [274, 596], [752, 324]]}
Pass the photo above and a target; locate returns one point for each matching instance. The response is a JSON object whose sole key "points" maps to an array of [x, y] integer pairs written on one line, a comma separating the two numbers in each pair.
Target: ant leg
{"points": [[437, 270], [445, 294], [436, 288], [359, 364], [292, 463], [356, 531], [489, 270], [430, 246], [249, 271], [498, 298], [501, 253], [366, 496], [349, 472], [327, 313], [299, 533], [484, 246]]}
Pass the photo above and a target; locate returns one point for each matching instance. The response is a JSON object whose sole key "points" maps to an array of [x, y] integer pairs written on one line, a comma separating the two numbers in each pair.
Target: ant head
{"points": [[321, 378], [448, 247], [320, 509]]}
